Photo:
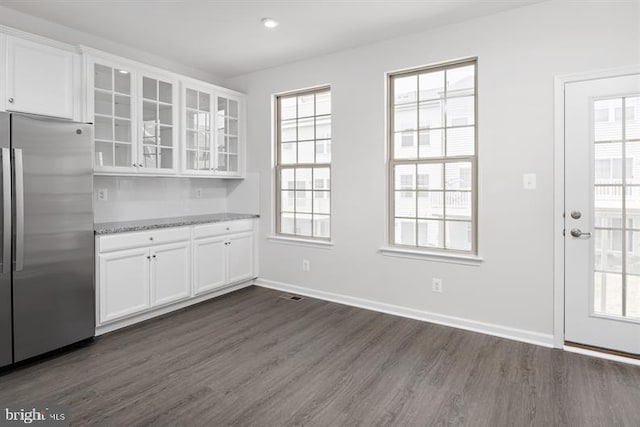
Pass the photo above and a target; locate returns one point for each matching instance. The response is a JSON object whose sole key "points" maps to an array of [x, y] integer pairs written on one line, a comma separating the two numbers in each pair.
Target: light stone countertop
{"points": [[179, 221]]}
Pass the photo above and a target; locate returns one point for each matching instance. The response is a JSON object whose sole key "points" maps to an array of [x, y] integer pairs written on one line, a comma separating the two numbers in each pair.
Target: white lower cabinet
{"points": [[210, 263], [170, 273], [124, 283], [240, 257], [142, 274]]}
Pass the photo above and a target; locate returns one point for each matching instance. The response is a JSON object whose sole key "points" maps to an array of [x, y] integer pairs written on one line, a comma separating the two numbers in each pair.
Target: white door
{"points": [[240, 255], [602, 213], [210, 263], [124, 283], [39, 79], [170, 272]]}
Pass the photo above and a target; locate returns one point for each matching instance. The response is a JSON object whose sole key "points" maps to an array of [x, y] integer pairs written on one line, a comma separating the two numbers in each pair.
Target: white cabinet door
{"points": [[39, 79], [198, 135], [124, 283], [110, 106], [171, 272], [158, 124], [240, 256], [210, 263], [229, 133]]}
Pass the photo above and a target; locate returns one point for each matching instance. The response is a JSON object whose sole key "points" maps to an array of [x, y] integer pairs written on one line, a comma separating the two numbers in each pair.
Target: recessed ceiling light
{"points": [[123, 71], [269, 22]]}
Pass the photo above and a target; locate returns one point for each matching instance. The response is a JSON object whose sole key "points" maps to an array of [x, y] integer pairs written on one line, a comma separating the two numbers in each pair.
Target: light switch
{"points": [[529, 181]]}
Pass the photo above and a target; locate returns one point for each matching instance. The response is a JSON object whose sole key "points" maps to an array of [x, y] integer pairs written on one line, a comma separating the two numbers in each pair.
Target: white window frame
{"points": [[452, 255], [278, 236]]}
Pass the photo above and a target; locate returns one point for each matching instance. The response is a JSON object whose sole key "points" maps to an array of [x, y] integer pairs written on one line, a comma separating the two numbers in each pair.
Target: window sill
{"points": [[323, 244], [452, 258]]}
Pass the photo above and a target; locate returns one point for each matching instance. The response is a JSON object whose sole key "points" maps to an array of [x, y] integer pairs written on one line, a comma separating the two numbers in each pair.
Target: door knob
{"points": [[576, 214], [576, 232]]}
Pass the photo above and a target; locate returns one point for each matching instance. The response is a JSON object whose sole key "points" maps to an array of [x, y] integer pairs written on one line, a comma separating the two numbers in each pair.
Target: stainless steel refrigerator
{"points": [[46, 235]]}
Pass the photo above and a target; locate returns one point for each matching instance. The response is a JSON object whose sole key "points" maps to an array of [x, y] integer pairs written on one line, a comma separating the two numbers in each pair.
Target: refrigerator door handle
{"points": [[19, 199], [6, 210]]}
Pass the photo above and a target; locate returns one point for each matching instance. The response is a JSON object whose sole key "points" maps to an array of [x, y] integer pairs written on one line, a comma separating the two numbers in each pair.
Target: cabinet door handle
{"points": [[134, 165], [148, 257], [154, 255], [10, 100]]}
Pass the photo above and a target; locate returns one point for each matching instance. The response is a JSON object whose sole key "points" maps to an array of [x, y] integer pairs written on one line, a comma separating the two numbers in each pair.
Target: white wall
{"points": [[520, 52], [21, 21], [131, 198]]}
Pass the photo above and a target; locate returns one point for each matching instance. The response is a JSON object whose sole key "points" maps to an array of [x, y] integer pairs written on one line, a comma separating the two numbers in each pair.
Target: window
{"points": [[432, 157], [303, 164]]}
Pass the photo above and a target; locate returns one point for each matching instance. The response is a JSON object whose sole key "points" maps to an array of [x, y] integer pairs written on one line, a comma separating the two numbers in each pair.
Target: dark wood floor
{"points": [[251, 358]]}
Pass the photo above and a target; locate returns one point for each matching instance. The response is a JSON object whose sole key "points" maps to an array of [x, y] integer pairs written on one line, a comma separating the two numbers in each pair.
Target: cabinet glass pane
{"points": [[204, 162], [149, 111], [233, 163], [192, 139], [122, 81], [150, 156], [166, 114], [104, 154], [122, 107], [204, 102], [104, 128], [222, 106], [122, 130], [102, 103], [233, 127], [165, 91], [165, 159], [222, 162], [192, 119], [191, 99], [203, 141], [102, 77], [123, 155], [149, 88], [191, 159], [233, 145], [166, 136], [233, 108]]}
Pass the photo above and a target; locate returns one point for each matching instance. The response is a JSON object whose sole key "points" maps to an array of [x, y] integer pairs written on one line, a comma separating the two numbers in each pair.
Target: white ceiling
{"points": [[226, 38]]}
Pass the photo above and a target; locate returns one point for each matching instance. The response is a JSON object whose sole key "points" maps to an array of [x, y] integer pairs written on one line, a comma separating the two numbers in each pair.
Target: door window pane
{"points": [[616, 219]]}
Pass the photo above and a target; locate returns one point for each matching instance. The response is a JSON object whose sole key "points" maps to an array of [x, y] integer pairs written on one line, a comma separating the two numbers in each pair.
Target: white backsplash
{"points": [[132, 198]]}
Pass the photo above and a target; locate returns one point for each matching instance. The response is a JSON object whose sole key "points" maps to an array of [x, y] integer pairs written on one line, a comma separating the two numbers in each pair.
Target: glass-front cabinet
{"points": [[158, 123], [158, 126], [228, 135], [110, 106], [134, 116], [212, 132]]}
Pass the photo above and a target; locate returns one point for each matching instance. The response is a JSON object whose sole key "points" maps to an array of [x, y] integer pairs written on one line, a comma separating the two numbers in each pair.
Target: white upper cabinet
{"points": [[158, 148], [40, 79], [212, 131], [111, 108], [152, 122], [198, 135], [229, 126]]}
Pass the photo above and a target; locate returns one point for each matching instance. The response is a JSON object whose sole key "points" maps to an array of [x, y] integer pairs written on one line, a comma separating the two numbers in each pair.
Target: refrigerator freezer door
{"points": [[6, 349], [53, 291]]}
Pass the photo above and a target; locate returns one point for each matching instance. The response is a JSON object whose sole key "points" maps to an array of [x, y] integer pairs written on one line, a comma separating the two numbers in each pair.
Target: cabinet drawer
{"points": [[143, 238], [226, 227]]}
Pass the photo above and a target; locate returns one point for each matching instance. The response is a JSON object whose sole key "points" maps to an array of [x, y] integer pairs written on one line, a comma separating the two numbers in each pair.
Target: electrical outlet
{"points": [[306, 265], [436, 285], [198, 193], [529, 181], [103, 194]]}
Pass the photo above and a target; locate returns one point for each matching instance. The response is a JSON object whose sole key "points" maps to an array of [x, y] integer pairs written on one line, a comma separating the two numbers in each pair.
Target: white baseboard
{"points": [[127, 321], [537, 338]]}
